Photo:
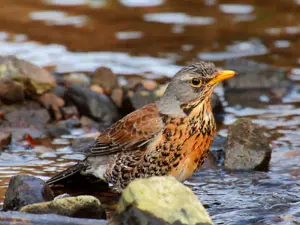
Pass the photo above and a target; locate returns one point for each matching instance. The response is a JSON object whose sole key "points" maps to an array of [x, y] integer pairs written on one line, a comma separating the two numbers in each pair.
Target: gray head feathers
{"points": [[180, 92]]}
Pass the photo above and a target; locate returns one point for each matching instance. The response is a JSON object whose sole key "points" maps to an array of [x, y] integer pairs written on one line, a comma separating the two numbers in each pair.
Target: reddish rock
{"points": [[53, 103], [5, 139]]}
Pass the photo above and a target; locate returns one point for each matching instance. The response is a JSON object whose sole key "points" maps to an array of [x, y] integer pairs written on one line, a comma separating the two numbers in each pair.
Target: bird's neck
{"points": [[171, 107]]}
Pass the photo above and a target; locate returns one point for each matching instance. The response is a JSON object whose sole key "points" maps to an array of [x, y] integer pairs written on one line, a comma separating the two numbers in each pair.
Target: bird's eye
{"points": [[196, 82]]}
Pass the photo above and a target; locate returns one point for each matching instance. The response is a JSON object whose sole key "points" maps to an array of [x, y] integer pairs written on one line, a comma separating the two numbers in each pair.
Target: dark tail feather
{"points": [[66, 173]]}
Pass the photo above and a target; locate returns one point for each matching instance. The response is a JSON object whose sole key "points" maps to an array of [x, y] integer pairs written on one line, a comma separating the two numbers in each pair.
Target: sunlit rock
{"points": [[160, 200], [34, 79], [81, 207]]}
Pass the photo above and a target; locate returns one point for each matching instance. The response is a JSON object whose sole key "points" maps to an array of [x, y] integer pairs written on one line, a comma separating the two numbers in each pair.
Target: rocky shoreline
{"points": [[37, 106]]}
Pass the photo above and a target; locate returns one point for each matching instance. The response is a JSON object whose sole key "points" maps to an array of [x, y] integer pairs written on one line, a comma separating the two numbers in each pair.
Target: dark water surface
{"points": [[154, 38]]}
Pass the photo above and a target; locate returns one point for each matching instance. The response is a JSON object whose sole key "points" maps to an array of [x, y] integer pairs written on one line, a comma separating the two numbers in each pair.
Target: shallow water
{"points": [[155, 39]]}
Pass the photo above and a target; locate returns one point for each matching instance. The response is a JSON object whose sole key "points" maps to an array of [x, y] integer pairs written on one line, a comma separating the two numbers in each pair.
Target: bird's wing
{"points": [[131, 132]]}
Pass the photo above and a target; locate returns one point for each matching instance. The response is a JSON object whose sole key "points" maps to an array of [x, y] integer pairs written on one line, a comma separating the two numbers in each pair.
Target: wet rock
{"points": [[59, 91], [11, 91], [81, 207], [247, 147], [89, 123], [69, 124], [34, 79], [256, 83], [106, 79], [218, 109], [24, 190], [159, 200], [94, 105], [5, 139], [82, 144], [138, 98], [70, 112], [26, 115], [18, 133], [53, 103], [56, 131], [76, 79], [210, 162], [17, 218]]}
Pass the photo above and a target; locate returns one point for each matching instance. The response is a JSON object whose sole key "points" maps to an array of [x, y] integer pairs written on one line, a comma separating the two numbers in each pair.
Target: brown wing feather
{"points": [[134, 130]]}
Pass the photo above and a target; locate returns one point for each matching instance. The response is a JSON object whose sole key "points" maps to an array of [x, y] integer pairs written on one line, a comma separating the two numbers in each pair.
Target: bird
{"points": [[170, 136]]}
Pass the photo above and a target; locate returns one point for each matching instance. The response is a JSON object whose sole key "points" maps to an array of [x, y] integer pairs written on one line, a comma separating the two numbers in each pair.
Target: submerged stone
{"points": [[14, 218]]}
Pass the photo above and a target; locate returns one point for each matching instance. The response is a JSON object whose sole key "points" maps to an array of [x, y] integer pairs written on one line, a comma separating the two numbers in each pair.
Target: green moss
{"points": [[165, 198]]}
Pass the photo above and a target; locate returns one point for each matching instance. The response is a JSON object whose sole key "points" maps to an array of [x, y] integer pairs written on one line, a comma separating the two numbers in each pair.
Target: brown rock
{"points": [[76, 79], [117, 96], [5, 139], [11, 91], [70, 112], [149, 84], [34, 79], [53, 103], [105, 78]]}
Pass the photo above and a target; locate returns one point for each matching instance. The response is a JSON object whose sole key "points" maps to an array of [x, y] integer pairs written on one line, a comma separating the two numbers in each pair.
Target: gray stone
{"points": [[25, 116], [24, 190], [81, 207], [57, 131], [160, 201], [247, 147], [17, 218], [82, 145], [94, 105], [255, 84]]}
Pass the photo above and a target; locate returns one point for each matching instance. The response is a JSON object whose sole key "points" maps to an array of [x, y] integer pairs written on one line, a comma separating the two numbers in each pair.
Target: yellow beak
{"points": [[221, 75]]}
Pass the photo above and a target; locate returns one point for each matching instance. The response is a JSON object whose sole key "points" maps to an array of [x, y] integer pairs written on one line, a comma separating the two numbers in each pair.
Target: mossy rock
{"points": [[160, 200], [35, 79]]}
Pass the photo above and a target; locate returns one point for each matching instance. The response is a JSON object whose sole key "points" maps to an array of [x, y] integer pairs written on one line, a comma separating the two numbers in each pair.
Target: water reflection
{"points": [[66, 61], [59, 18], [178, 18]]}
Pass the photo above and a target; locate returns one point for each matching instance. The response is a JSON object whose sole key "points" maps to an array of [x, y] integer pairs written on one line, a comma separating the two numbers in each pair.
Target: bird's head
{"points": [[192, 85]]}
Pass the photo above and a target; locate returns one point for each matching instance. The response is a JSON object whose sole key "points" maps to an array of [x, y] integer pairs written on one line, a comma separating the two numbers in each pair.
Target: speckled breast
{"points": [[183, 145]]}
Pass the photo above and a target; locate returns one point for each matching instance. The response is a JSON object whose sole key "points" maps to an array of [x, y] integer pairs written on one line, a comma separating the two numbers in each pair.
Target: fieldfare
{"points": [[171, 136]]}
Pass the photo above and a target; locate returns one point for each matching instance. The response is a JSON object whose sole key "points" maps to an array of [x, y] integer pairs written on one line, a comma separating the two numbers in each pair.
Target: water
{"points": [[155, 39]]}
